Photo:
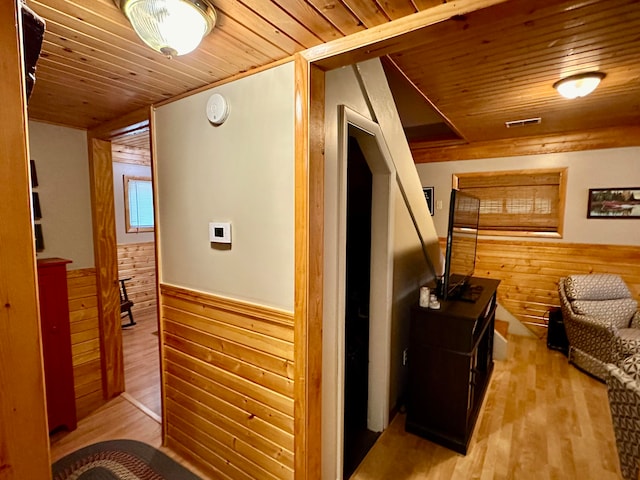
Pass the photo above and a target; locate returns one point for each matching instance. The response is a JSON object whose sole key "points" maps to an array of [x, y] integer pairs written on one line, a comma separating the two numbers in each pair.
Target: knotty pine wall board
{"points": [[85, 340]]}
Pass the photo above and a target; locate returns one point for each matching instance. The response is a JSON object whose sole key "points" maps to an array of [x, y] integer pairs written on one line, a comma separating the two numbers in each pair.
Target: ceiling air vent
{"points": [[523, 123]]}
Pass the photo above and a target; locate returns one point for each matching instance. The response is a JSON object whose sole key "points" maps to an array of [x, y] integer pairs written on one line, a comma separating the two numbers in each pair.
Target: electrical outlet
{"points": [[405, 354]]}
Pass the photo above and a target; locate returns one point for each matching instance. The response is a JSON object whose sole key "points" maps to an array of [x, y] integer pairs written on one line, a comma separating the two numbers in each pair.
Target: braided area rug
{"points": [[119, 460]]}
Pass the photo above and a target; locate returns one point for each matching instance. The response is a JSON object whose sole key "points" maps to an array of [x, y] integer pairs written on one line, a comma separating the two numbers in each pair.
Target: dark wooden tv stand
{"points": [[450, 364]]}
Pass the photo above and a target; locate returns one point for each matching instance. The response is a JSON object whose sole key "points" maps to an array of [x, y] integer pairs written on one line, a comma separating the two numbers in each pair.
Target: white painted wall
{"points": [[240, 172], [616, 167], [409, 273], [62, 167], [410, 268], [120, 169], [384, 108]]}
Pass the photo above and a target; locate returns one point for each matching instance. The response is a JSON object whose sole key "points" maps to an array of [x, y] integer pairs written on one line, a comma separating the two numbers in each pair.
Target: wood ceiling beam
{"points": [[613, 137], [389, 38], [128, 123]]}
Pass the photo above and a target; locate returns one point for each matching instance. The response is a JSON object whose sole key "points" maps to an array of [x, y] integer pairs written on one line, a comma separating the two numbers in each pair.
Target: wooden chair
{"points": [[125, 303]]}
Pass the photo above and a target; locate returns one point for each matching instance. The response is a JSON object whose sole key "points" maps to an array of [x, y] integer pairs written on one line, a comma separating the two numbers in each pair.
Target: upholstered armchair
{"points": [[601, 319], [623, 388]]}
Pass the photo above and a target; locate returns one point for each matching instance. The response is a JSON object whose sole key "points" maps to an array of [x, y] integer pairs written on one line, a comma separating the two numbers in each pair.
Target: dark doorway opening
{"points": [[357, 438]]}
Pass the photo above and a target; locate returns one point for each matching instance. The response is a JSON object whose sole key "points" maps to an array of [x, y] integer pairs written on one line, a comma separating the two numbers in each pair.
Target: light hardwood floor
{"points": [[115, 420], [137, 413], [142, 361], [541, 419]]}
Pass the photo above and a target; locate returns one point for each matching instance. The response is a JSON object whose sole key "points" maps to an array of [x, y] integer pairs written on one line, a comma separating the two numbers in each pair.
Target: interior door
{"points": [[357, 438], [105, 246]]}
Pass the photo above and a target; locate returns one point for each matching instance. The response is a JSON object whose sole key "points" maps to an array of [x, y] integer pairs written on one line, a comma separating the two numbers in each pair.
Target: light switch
{"points": [[220, 232], [439, 205]]}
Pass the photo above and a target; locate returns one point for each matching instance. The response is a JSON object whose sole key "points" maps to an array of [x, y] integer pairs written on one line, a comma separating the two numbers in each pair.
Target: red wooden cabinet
{"points": [[56, 343]]}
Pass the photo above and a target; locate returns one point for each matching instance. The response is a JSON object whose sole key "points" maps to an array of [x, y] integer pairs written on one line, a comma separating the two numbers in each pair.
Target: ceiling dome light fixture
{"points": [[579, 85], [171, 27]]}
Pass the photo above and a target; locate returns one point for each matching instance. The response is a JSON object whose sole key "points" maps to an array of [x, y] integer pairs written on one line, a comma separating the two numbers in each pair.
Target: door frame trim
{"points": [[371, 141], [105, 246]]}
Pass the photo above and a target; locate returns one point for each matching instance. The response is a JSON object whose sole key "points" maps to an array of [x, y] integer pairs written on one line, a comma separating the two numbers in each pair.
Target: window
{"points": [[521, 202], [138, 204]]}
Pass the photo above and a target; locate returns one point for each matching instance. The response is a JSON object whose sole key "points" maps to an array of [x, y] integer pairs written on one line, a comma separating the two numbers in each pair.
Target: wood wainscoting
{"points": [[85, 340], [138, 262], [133, 155], [529, 272], [228, 384]]}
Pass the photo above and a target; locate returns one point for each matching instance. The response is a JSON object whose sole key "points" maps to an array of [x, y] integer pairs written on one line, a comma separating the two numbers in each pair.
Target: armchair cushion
{"points": [[627, 343], [618, 311], [631, 366], [596, 286]]}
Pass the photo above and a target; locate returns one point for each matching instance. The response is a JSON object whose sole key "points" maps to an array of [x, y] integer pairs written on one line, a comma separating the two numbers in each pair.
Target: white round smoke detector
{"points": [[217, 109]]}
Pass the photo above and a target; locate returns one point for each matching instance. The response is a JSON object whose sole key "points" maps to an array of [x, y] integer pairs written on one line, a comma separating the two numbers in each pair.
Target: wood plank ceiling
{"points": [[496, 68], [94, 68], [491, 66]]}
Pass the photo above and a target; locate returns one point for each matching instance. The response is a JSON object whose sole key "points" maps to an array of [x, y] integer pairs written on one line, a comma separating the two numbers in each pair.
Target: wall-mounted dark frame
{"points": [[39, 237], [428, 196], [37, 213], [619, 203], [34, 174]]}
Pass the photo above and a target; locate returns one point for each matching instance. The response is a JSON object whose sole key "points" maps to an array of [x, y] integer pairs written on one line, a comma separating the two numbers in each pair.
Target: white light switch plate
{"points": [[220, 232]]}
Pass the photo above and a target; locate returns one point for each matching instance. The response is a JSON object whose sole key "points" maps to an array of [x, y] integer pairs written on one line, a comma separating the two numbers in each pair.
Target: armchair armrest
{"points": [[590, 322], [593, 336]]}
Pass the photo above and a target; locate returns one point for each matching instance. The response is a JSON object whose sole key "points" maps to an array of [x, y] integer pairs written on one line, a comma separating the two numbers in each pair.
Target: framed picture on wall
{"points": [[37, 213], [39, 237], [34, 174], [428, 196], [614, 203]]}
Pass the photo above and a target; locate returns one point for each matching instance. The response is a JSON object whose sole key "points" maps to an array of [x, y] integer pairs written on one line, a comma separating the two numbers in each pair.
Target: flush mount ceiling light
{"points": [[578, 85], [171, 27]]}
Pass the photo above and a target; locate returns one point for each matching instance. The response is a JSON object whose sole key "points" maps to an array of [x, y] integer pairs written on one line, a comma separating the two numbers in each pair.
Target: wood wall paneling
{"points": [[624, 136], [137, 139], [85, 340], [138, 262], [529, 272], [133, 155], [228, 396]]}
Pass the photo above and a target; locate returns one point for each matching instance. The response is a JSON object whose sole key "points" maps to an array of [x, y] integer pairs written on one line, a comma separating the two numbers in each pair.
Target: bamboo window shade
{"points": [[517, 201]]}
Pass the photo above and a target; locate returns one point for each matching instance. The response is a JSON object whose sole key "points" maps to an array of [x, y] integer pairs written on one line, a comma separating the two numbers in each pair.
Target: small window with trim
{"points": [[518, 202], [138, 204]]}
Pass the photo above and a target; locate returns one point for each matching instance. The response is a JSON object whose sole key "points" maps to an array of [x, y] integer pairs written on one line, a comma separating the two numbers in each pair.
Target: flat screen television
{"points": [[460, 256]]}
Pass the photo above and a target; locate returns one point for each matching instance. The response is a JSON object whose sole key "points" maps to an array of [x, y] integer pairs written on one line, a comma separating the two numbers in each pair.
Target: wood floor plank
{"points": [[142, 361], [541, 419]]}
